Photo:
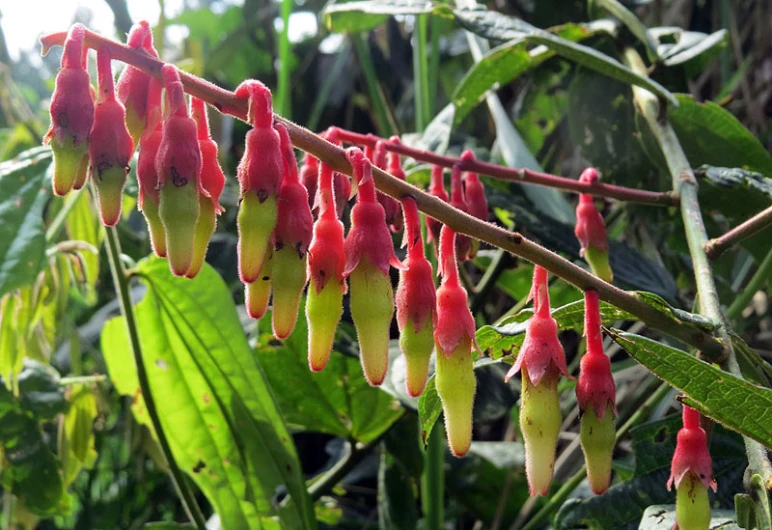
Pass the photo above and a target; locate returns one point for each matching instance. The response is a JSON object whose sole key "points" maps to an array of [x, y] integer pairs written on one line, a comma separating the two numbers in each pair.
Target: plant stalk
{"points": [[433, 481], [715, 247], [121, 282]]}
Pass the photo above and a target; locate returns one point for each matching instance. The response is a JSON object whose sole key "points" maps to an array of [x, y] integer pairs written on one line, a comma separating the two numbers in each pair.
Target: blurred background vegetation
{"points": [[567, 117]]}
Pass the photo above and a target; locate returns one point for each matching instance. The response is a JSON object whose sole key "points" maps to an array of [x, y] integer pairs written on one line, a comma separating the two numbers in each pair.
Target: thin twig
{"points": [[717, 246], [515, 174], [513, 242]]}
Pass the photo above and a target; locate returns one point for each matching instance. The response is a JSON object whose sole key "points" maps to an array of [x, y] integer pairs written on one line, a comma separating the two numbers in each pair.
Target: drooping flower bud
{"points": [[476, 203], [390, 206], [72, 115], [596, 395], [309, 177], [692, 474], [260, 173], [454, 337], [542, 361], [147, 176], [213, 182], [416, 304], [133, 84], [111, 146], [458, 201], [436, 188], [326, 264], [590, 230], [178, 165], [369, 252], [294, 229]]}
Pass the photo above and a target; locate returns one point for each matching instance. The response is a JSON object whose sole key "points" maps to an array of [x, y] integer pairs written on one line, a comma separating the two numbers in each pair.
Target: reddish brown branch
{"points": [[715, 247], [226, 102], [516, 175]]}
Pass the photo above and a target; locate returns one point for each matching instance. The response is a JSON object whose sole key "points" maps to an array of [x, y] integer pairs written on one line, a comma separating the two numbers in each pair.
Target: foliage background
{"points": [[567, 116]]}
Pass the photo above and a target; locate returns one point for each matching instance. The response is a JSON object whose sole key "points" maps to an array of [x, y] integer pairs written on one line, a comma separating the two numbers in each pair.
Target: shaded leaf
{"points": [[633, 23], [493, 25], [23, 195], [397, 508], [76, 433], [623, 505], [338, 400], [733, 402], [213, 399], [662, 517]]}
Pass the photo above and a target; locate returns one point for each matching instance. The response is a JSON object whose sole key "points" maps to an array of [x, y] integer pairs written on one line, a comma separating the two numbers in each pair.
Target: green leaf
{"points": [[623, 505], [633, 23], [39, 390], [352, 17], [31, 471], [729, 400], [23, 196], [710, 134], [693, 48], [213, 399], [490, 24], [83, 225], [338, 400], [738, 195], [76, 434], [397, 507]]}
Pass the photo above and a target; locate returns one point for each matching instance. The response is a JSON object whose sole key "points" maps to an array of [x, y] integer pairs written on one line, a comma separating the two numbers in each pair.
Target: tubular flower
{"points": [[395, 168], [474, 195], [72, 115], [692, 473], [147, 176], [390, 206], [294, 228], [326, 264], [213, 182], [454, 337], [542, 362], [590, 230], [457, 200], [416, 304], [260, 173], [111, 146], [309, 177], [369, 252], [133, 84], [436, 188], [596, 396], [178, 166]]}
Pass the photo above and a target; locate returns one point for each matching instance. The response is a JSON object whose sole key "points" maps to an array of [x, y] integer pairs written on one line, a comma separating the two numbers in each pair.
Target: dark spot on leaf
{"points": [[661, 436], [199, 466]]}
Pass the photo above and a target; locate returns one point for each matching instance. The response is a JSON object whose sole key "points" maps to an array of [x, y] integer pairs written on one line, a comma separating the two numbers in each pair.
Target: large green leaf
{"points": [[738, 195], [23, 196], [397, 507], [633, 23], [710, 134], [729, 400], [213, 399], [507, 335], [493, 25], [83, 225], [503, 64], [622, 506], [338, 400], [31, 471]]}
